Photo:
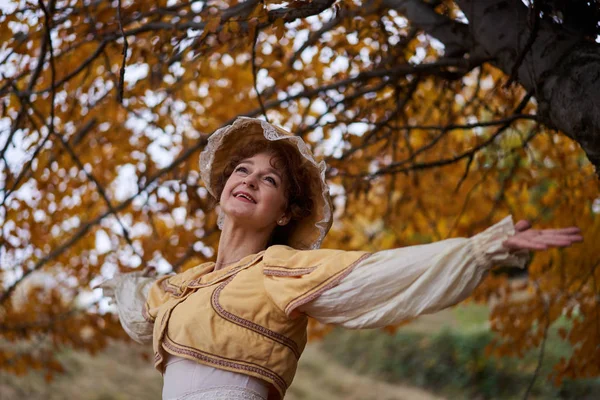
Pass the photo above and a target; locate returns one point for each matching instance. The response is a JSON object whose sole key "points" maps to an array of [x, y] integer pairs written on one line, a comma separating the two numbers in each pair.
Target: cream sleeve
{"points": [[129, 292], [394, 285]]}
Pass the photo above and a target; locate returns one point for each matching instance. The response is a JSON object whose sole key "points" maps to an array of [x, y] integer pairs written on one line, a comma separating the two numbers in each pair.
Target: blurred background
{"points": [[439, 356], [436, 118]]}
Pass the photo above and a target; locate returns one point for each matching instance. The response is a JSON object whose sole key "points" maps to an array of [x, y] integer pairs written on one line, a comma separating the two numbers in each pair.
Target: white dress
{"points": [[386, 288]]}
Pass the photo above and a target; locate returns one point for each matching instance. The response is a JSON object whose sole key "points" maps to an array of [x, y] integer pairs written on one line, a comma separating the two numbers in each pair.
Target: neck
{"points": [[237, 242]]}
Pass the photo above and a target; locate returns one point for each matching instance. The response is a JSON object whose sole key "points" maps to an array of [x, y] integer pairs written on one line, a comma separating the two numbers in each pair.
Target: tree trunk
{"points": [[561, 69]]}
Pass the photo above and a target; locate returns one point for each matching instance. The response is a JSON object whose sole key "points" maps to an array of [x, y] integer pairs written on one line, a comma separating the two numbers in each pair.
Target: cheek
{"points": [[229, 183], [278, 202]]}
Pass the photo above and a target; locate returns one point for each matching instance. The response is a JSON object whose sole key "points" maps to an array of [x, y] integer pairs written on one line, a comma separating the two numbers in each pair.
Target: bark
{"points": [[559, 66], [453, 34]]}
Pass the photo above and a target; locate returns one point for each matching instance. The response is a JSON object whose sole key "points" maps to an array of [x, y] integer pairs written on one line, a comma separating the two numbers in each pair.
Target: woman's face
{"points": [[254, 194]]}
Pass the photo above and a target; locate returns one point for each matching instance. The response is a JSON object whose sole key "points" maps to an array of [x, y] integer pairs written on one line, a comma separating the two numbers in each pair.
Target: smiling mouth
{"points": [[244, 197]]}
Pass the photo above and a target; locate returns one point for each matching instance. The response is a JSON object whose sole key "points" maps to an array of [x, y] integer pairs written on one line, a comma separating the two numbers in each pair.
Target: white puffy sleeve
{"points": [[129, 292], [394, 285]]}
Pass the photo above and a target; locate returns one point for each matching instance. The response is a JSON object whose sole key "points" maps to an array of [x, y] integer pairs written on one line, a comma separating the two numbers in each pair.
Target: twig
{"points": [[466, 202], [92, 178], [29, 162], [542, 349], [11, 82], [462, 179], [505, 124], [85, 227], [47, 42], [254, 73], [52, 66], [125, 47]]}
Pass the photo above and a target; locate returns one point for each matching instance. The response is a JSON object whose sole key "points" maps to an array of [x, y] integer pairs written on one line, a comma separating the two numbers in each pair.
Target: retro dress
{"points": [[238, 332]]}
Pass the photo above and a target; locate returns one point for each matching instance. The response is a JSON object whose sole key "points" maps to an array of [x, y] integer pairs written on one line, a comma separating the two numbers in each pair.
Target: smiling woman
{"points": [[235, 328], [289, 174]]}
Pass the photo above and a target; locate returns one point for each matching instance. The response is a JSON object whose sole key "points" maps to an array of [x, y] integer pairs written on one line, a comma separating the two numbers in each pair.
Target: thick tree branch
{"points": [[559, 65], [453, 34], [306, 10]]}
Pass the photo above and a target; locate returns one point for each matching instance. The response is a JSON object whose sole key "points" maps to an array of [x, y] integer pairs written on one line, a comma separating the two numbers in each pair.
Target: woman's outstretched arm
{"points": [[129, 292], [394, 285]]}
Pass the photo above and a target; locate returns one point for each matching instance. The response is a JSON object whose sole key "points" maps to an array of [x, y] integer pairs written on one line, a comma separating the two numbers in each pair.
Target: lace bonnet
{"points": [[309, 232]]}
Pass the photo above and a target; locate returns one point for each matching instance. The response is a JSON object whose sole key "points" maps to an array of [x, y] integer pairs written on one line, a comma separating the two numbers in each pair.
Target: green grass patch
{"points": [[453, 363]]}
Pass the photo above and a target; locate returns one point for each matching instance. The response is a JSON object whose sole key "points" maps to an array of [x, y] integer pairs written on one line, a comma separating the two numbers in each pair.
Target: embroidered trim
{"points": [[290, 272], [170, 288], [225, 362], [323, 286], [163, 319], [220, 393], [196, 282], [278, 337], [146, 313], [178, 291], [163, 332]]}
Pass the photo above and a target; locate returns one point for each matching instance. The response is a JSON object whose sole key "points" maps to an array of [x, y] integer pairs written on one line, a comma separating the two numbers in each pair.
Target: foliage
{"points": [[106, 106], [451, 363]]}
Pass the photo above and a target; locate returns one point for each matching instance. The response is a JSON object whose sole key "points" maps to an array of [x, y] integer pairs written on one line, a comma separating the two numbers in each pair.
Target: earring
{"points": [[280, 222]]}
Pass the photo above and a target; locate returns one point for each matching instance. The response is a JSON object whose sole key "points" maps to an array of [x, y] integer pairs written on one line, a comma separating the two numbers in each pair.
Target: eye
{"points": [[241, 169], [271, 180]]}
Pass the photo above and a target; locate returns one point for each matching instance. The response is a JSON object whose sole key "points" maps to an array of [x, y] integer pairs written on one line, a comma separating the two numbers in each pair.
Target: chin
{"points": [[245, 219], [240, 217]]}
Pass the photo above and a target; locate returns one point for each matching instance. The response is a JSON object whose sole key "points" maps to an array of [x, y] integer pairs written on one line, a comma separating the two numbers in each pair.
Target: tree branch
{"points": [[125, 47], [454, 35], [85, 227], [394, 168], [254, 73]]}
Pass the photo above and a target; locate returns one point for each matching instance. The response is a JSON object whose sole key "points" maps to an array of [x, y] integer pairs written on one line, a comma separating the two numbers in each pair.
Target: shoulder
{"points": [[285, 256], [190, 274]]}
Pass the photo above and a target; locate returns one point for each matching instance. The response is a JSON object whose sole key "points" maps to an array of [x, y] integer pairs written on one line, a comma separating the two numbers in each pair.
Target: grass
{"points": [[417, 363], [121, 373], [445, 353]]}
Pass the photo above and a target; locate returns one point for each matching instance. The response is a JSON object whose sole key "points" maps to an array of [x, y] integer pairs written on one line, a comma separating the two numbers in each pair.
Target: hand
{"points": [[526, 238], [150, 272]]}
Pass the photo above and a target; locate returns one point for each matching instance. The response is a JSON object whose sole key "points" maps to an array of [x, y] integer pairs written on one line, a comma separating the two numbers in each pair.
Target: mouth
{"points": [[245, 197]]}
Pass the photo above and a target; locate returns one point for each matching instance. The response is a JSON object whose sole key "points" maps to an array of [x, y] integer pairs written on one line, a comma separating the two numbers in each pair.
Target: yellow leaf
{"points": [[212, 25], [279, 26]]}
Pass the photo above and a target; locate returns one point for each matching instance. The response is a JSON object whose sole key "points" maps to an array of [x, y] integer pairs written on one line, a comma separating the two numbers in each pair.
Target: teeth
{"points": [[244, 196]]}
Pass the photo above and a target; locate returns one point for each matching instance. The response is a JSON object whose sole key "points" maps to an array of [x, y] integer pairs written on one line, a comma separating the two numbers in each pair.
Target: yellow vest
{"points": [[241, 318]]}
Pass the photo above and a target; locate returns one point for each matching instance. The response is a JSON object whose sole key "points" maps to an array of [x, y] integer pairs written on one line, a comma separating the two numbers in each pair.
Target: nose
{"points": [[250, 181]]}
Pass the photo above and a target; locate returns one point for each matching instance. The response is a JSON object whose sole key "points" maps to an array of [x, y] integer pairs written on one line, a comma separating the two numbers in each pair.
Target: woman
{"points": [[235, 328]]}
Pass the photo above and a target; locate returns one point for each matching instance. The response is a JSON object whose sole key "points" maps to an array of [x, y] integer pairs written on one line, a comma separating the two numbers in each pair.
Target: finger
{"points": [[570, 237], [559, 240], [536, 244], [567, 231], [522, 225], [553, 240], [519, 243], [535, 233]]}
